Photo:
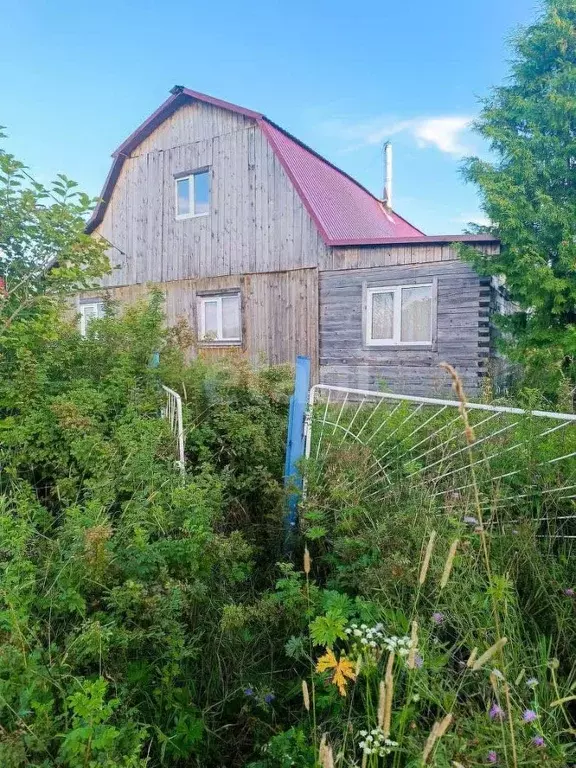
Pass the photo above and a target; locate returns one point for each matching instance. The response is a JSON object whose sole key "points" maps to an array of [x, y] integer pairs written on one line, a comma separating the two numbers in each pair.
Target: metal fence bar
{"points": [[358, 416], [172, 412], [454, 403], [295, 445]]}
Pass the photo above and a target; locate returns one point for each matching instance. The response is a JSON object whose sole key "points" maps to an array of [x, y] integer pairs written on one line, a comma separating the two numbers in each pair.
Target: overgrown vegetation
{"points": [[116, 573], [150, 620]]}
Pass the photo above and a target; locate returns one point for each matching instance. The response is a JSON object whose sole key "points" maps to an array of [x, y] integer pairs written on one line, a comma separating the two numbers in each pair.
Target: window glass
{"points": [[211, 319], [382, 316], [183, 197], [219, 317], [416, 314], [201, 192], [230, 317], [89, 312]]}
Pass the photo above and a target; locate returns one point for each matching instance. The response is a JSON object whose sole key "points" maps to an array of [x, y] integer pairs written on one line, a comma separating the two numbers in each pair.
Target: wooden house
{"points": [[265, 247]]}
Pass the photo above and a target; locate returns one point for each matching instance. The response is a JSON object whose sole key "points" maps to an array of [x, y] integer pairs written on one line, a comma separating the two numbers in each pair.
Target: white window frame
{"points": [[98, 304], [192, 201], [396, 340], [217, 297]]}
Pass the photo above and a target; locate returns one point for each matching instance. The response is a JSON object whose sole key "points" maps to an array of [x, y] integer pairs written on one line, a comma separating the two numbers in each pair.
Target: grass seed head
{"points": [[427, 556], [449, 562], [413, 646], [381, 704], [305, 695], [498, 645]]}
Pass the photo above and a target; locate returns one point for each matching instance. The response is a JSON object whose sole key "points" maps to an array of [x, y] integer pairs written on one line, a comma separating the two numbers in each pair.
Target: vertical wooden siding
{"points": [[257, 221], [463, 303], [361, 257], [279, 312]]}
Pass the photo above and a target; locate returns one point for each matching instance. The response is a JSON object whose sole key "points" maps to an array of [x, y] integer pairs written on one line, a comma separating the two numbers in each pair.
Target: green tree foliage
{"points": [[529, 191], [44, 253]]}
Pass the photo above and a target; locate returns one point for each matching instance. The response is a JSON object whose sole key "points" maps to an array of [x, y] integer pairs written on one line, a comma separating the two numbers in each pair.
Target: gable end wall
{"points": [[257, 222]]}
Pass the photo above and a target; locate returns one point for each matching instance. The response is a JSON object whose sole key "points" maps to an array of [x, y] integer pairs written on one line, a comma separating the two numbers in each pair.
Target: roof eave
{"points": [[420, 240]]}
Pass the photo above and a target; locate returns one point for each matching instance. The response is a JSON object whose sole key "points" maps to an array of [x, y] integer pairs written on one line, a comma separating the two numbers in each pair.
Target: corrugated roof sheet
{"points": [[341, 207]]}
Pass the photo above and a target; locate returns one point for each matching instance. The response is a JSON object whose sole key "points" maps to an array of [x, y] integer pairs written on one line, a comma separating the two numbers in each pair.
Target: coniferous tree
{"points": [[529, 192]]}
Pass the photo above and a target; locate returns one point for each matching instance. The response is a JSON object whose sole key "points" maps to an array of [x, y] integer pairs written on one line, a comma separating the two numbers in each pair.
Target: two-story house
{"points": [[265, 247]]}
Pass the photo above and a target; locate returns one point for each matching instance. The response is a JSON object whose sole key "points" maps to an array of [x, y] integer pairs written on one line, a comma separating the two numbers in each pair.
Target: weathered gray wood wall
{"points": [[462, 337], [257, 222], [259, 237], [359, 257], [279, 312]]}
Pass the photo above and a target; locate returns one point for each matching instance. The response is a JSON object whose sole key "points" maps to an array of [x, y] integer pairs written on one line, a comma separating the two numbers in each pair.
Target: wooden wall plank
{"points": [[363, 257], [279, 311], [346, 361]]}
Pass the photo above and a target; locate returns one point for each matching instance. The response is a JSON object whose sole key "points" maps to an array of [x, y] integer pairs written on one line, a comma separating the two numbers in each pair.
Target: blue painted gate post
{"points": [[295, 444]]}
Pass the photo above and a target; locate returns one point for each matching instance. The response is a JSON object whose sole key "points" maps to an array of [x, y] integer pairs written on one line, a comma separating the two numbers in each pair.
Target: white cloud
{"points": [[445, 132]]}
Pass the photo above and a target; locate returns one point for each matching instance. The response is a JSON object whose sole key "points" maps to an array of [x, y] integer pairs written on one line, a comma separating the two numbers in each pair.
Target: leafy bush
{"points": [[116, 572]]}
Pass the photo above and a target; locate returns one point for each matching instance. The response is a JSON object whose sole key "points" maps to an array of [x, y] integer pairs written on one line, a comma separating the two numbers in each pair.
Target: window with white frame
{"points": [[219, 318], [193, 194], [399, 315], [90, 310]]}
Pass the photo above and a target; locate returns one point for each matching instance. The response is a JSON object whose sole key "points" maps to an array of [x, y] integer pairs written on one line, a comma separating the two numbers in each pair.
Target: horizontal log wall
{"points": [[462, 338], [257, 222], [279, 312]]}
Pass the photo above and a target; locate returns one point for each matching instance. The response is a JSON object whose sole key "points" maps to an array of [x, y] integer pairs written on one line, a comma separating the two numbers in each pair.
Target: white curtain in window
{"points": [[230, 317], [211, 318], [382, 315], [89, 312], [417, 314]]}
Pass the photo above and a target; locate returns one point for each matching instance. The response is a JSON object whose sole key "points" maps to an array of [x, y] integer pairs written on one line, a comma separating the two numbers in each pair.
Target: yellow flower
{"points": [[342, 669]]}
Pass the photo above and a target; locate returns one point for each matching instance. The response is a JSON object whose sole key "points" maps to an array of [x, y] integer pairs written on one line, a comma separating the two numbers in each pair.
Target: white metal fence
{"points": [[172, 412], [521, 463]]}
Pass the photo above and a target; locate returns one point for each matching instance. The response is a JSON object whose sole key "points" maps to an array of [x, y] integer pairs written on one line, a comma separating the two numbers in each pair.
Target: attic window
{"points": [[193, 194]]}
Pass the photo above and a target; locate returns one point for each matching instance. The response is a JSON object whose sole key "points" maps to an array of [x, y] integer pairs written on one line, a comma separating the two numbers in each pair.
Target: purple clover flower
{"points": [[492, 756], [569, 592], [269, 698], [418, 661], [438, 617], [529, 716], [538, 741], [496, 712]]}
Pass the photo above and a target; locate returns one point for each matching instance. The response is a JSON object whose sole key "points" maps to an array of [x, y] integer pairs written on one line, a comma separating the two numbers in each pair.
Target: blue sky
{"points": [[76, 78]]}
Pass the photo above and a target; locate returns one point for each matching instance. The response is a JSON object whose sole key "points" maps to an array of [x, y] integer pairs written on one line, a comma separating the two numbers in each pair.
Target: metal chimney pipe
{"points": [[388, 174]]}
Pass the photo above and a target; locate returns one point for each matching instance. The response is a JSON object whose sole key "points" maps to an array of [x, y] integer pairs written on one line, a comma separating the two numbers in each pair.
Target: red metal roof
{"points": [[344, 211]]}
